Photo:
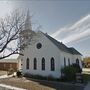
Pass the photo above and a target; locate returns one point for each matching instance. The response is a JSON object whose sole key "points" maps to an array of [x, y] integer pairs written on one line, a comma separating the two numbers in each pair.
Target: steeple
{"points": [[26, 33], [28, 25]]}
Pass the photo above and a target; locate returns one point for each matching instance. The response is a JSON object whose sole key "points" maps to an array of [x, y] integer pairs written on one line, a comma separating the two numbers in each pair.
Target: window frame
{"points": [[52, 62], [43, 63], [35, 64], [27, 63], [64, 62], [77, 61], [39, 45], [69, 61]]}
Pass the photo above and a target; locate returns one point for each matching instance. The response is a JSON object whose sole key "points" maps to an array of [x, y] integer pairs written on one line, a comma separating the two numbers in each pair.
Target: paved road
{"points": [[59, 85], [87, 86]]}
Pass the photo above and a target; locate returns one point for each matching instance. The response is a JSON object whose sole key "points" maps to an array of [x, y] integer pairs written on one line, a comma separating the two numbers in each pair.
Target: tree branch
{"points": [[10, 55]]}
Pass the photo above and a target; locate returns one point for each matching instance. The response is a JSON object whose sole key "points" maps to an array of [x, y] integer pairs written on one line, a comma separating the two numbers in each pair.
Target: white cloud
{"points": [[58, 32], [78, 31], [80, 22], [76, 36]]}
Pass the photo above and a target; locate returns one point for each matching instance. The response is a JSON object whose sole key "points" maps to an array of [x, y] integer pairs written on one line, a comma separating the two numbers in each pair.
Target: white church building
{"points": [[44, 55]]}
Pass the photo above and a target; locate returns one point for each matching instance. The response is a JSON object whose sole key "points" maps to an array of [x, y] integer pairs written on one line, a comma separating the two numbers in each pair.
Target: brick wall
{"points": [[7, 66]]}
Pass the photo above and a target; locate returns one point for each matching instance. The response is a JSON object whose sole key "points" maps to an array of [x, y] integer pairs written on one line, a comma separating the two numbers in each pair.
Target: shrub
{"points": [[79, 70], [69, 72], [50, 77], [19, 74]]}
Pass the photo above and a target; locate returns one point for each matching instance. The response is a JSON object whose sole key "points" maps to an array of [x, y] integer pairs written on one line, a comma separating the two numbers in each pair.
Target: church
{"points": [[44, 55]]}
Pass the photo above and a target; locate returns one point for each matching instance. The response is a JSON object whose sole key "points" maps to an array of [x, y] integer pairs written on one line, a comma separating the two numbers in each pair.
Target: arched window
{"points": [[43, 64], [52, 64], [68, 61], [64, 61], [77, 61], [35, 64], [27, 63]]}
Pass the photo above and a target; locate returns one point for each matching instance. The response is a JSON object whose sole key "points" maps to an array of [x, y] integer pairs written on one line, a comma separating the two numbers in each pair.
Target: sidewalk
{"points": [[10, 87], [87, 86], [6, 76]]}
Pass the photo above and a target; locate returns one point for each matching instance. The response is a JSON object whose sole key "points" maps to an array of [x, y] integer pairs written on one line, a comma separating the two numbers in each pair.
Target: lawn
{"points": [[86, 75], [31, 84], [86, 78]]}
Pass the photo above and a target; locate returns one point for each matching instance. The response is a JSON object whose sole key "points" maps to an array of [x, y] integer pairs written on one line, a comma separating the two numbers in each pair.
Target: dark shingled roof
{"points": [[62, 47], [74, 51]]}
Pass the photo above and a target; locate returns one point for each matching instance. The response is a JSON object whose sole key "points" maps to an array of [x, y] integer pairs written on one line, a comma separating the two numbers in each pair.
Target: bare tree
{"points": [[10, 27]]}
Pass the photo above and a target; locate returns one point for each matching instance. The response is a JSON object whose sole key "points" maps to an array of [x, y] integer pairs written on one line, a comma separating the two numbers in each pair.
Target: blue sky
{"points": [[55, 15]]}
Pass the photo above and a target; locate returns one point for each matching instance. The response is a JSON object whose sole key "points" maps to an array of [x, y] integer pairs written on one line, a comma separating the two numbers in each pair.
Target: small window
{"points": [[64, 61], [68, 61], [35, 64], [39, 45], [52, 64], [43, 64], [27, 63]]}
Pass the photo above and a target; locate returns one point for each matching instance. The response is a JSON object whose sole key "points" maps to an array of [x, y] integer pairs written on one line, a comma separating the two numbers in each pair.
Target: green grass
{"points": [[86, 78]]}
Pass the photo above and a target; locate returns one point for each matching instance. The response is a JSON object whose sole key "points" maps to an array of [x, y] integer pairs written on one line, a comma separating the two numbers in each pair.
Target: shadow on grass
{"points": [[57, 85], [86, 78]]}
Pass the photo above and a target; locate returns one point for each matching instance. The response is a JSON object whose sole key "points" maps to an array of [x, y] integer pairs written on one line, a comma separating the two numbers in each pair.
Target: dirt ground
{"points": [[3, 72], [30, 84]]}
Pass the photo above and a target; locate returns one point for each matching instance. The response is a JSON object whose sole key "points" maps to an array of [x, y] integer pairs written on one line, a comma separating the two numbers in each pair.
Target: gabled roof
{"points": [[74, 51], [62, 47]]}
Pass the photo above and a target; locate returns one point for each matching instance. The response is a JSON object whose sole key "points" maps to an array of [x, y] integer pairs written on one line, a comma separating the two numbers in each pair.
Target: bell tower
{"points": [[28, 25], [26, 33]]}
